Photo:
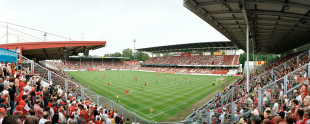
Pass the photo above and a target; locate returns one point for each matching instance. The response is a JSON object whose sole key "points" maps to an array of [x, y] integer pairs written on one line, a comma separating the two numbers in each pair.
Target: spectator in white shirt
{"points": [[222, 117], [299, 98], [275, 107], [44, 118], [7, 81]]}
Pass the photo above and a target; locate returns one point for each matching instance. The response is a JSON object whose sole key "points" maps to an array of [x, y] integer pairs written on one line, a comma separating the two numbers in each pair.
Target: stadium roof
{"points": [[203, 46], [276, 26], [53, 49]]}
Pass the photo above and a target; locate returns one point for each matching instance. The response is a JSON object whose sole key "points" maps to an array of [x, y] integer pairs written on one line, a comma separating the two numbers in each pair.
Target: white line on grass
{"points": [[118, 104], [160, 112], [181, 104]]}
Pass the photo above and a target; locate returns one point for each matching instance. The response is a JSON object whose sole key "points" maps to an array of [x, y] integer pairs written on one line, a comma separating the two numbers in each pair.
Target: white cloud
{"points": [[152, 23]]}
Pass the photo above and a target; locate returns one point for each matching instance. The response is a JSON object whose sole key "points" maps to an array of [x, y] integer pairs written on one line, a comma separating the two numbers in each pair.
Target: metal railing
{"points": [[80, 91], [277, 82]]}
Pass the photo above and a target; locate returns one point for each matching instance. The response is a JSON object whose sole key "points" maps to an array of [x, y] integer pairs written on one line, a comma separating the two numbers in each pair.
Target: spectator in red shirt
{"points": [[38, 110], [84, 112], [22, 84]]}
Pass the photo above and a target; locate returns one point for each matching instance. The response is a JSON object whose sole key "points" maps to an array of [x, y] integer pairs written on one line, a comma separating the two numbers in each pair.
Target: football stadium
{"points": [[260, 75]]}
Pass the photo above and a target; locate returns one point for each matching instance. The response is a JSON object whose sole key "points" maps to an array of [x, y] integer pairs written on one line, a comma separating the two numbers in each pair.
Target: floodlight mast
{"points": [[247, 46], [134, 49]]}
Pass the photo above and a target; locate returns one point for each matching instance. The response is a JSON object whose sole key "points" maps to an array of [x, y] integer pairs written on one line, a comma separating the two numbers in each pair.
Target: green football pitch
{"points": [[163, 94]]}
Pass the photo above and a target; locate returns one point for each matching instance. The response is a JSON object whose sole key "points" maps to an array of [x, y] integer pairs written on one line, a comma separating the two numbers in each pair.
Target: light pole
{"points": [[134, 49], [45, 34]]}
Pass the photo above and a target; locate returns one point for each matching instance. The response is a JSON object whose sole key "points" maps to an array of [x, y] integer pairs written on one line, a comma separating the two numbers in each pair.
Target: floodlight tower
{"points": [[134, 49]]}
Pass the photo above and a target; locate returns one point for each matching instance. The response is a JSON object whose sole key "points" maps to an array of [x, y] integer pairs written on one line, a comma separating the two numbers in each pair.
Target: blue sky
{"points": [[150, 22]]}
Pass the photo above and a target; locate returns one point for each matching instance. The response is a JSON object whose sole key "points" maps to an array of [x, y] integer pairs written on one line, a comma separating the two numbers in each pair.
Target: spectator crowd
{"points": [[88, 64], [276, 107], [201, 70], [27, 99], [194, 60]]}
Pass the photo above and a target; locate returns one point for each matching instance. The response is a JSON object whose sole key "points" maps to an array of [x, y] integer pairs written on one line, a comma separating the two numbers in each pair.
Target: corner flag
{"points": [[151, 110]]}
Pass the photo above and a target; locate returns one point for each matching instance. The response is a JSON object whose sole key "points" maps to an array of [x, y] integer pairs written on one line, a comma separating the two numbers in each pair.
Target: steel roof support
{"points": [[247, 46], [247, 58]]}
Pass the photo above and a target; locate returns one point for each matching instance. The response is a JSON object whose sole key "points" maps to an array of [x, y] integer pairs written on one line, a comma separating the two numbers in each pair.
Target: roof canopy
{"points": [[203, 46], [53, 49], [276, 26]]}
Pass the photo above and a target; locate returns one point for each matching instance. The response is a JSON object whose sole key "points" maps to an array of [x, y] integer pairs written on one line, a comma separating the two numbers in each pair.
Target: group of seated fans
{"points": [[195, 60], [88, 64], [266, 82], [186, 70], [26, 99]]}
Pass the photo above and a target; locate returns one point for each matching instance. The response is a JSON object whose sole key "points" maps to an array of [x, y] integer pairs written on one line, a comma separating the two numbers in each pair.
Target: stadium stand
{"points": [[184, 61], [176, 70], [194, 60], [97, 64], [29, 94], [89, 64], [278, 88]]}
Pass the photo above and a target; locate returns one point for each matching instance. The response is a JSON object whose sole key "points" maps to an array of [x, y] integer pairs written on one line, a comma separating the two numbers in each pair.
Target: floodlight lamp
{"points": [[286, 7]]}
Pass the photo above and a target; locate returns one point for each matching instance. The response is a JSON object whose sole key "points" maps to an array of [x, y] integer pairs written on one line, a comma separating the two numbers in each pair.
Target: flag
{"points": [[151, 110]]}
